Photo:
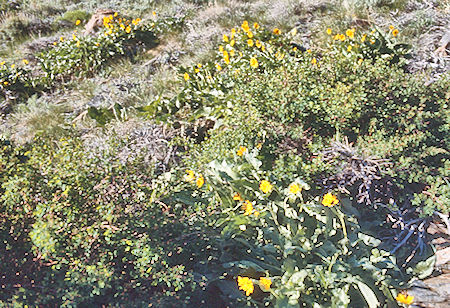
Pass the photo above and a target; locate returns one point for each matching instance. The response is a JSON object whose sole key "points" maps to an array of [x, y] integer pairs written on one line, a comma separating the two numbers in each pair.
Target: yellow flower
{"points": [[309, 51], [294, 188], [363, 38], [329, 31], [360, 61], [74, 37], [405, 299], [61, 39], [5, 83], [199, 65], [250, 42], [258, 44], [237, 197], [330, 200], [395, 32], [221, 48], [250, 34], [314, 61], [391, 27], [336, 37], [263, 48], [233, 32], [138, 20], [78, 43], [154, 13], [25, 61], [200, 181], [115, 14], [349, 48], [128, 29], [186, 76], [241, 151], [276, 31], [78, 22], [232, 42], [189, 176], [350, 33], [245, 26], [245, 284], [248, 207], [218, 67], [265, 186], [265, 283], [2, 63], [196, 70], [13, 65], [254, 62], [226, 57], [342, 37], [256, 213], [225, 38], [55, 43]]}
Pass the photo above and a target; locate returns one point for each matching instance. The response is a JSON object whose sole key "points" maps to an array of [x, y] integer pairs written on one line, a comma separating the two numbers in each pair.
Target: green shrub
{"points": [[94, 224], [73, 16], [16, 80]]}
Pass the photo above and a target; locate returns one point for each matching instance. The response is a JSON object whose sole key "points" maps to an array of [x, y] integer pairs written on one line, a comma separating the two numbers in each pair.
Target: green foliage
{"points": [[73, 16], [315, 256], [98, 230], [307, 99], [16, 79], [84, 55]]}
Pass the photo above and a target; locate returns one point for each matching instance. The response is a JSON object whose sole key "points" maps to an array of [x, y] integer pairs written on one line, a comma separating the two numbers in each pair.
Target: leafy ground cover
{"points": [[286, 156]]}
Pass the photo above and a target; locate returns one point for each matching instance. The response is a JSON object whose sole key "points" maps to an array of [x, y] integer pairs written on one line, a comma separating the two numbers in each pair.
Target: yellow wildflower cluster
{"points": [[405, 299], [245, 284], [241, 150], [190, 177], [265, 186], [115, 25], [330, 200], [393, 30]]}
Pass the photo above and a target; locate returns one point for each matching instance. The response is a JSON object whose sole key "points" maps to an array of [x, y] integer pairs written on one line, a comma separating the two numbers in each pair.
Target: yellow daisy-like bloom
{"points": [[245, 284], [25, 61], [363, 38], [128, 29], [221, 48], [55, 43], [350, 33], [342, 37], [232, 52], [391, 27], [256, 213], [6, 83], [256, 25], [349, 48], [199, 65], [405, 299], [395, 32], [218, 67], [78, 44], [250, 42], [330, 200], [189, 176], [225, 38], [232, 42], [254, 62], [250, 34], [115, 14], [237, 197], [196, 70], [294, 189], [200, 181], [233, 32], [276, 31], [13, 65], [314, 61], [263, 48], [186, 76], [248, 207], [2, 63], [245, 26], [265, 283], [78, 22], [154, 13], [61, 39], [265, 186], [241, 151], [258, 44], [329, 31]]}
